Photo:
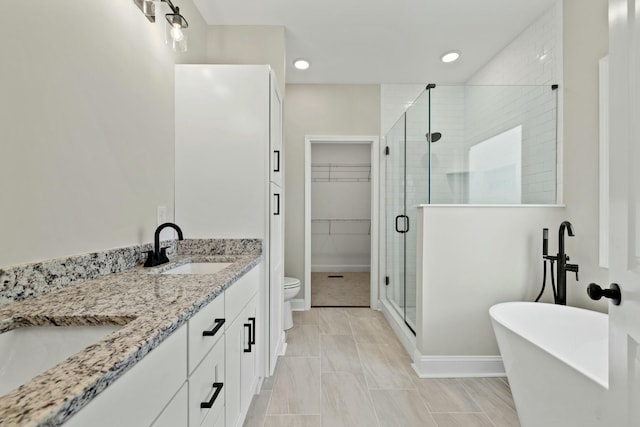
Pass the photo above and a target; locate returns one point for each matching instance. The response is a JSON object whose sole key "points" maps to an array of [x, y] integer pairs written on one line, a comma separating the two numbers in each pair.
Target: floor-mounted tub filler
{"points": [[556, 359]]}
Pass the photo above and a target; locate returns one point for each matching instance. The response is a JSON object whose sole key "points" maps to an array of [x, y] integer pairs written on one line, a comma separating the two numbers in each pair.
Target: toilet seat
{"points": [[291, 282]]}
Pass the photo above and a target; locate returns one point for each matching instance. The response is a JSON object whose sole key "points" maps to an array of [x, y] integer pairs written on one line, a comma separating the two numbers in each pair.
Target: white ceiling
{"points": [[383, 41]]}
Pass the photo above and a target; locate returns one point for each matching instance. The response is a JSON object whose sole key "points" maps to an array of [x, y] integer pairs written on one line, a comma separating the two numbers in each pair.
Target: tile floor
{"points": [[352, 289], [344, 367]]}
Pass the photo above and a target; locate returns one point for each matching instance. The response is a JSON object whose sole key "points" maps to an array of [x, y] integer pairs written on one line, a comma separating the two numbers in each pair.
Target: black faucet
{"points": [[563, 266], [159, 256]]}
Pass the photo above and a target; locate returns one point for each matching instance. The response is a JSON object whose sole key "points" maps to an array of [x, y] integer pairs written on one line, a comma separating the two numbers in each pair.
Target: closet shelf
{"points": [[336, 226], [340, 172]]}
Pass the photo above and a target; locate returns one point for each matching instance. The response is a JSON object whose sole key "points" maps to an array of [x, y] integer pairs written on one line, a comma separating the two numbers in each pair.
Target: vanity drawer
{"points": [[239, 294], [205, 330], [206, 388]]}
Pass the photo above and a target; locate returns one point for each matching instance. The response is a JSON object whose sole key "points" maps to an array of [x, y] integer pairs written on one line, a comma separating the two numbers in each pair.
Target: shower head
{"points": [[434, 137]]}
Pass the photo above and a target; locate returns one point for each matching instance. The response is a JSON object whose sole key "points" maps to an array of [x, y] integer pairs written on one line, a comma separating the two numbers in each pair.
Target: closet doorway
{"points": [[341, 221]]}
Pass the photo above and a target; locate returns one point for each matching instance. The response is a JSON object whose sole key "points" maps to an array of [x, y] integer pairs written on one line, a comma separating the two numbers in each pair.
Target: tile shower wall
{"points": [[533, 58]]}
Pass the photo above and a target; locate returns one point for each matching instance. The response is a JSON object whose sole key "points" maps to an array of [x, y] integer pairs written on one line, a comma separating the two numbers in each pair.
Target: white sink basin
{"points": [[29, 351], [198, 268]]}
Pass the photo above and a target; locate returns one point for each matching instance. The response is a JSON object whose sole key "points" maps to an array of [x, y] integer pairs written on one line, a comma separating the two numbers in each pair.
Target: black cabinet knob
{"points": [[595, 292]]}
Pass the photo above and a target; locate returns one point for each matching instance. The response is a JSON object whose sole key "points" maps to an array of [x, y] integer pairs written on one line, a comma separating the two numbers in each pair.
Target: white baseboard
{"points": [[457, 366], [340, 268], [297, 305], [282, 346]]}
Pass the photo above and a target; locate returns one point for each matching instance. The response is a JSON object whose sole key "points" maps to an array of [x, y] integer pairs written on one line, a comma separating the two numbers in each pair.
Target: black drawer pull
{"points": [[253, 330], [277, 209], [209, 404], [277, 168], [219, 323], [248, 350]]}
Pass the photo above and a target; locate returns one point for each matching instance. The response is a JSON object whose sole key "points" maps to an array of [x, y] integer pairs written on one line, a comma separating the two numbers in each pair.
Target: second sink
{"points": [[198, 268]]}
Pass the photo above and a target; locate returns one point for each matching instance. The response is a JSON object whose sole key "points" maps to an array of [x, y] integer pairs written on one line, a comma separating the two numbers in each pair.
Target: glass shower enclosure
{"points": [[463, 145]]}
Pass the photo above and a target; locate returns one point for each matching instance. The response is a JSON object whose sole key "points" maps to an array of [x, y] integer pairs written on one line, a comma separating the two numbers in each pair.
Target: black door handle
{"points": [[277, 210], [595, 292], [406, 223]]}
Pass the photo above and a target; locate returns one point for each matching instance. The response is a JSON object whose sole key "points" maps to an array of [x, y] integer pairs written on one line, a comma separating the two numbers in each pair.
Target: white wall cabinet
{"points": [[229, 172], [199, 376]]}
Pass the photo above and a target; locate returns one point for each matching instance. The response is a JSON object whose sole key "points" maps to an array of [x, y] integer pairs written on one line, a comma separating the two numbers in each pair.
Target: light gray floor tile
{"points": [[268, 382], [297, 387], [494, 398], [258, 409], [305, 317], [381, 372], [399, 357], [401, 408], [446, 395], [303, 340], [304, 393], [363, 312], [293, 421], [346, 402], [334, 321], [462, 420], [372, 330], [339, 354]]}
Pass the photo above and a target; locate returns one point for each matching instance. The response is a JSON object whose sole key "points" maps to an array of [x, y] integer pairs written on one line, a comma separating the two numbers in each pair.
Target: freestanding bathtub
{"points": [[556, 359]]}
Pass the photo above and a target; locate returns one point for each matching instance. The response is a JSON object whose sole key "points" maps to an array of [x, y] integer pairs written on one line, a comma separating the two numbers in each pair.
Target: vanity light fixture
{"points": [[301, 64], [176, 26], [450, 56]]}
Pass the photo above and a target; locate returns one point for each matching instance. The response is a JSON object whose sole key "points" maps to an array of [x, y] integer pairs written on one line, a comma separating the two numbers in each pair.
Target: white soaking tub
{"points": [[556, 359]]}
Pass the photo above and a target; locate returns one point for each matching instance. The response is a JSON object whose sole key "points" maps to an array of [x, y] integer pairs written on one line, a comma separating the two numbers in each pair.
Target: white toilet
{"points": [[291, 289]]}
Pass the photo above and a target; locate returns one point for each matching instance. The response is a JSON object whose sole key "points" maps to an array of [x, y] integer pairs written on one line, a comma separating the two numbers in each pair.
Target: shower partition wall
{"points": [[481, 145]]}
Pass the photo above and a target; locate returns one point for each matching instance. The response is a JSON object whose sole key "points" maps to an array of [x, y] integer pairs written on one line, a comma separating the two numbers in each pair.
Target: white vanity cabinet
{"points": [[229, 167], [241, 348], [206, 363], [204, 374], [139, 397]]}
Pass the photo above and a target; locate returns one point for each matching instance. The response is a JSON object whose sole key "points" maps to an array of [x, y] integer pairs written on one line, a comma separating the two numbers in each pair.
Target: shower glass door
{"points": [[396, 220], [416, 192], [407, 187]]}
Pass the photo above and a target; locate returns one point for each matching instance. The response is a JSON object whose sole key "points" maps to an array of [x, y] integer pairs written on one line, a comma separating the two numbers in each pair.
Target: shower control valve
{"points": [[574, 268]]}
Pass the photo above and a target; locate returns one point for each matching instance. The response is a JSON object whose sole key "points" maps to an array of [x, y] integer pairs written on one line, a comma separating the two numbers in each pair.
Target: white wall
{"points": [[87, 125], [318, 110], [586, 39], [469, 259], [248, 44]]}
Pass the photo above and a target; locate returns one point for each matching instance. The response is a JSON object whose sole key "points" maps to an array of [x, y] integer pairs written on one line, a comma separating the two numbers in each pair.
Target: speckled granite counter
{"points": [[149, 305]]}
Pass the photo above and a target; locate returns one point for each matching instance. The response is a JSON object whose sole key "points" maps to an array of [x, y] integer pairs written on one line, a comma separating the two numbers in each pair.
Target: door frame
{"points": [[374, 143]]}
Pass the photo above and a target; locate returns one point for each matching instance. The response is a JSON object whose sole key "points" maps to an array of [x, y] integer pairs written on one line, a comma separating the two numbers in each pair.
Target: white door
{"points": [[624, 319]]}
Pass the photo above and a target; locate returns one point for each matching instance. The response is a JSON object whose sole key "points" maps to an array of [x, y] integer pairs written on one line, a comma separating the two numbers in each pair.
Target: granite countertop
{"points": [[150, 306]]}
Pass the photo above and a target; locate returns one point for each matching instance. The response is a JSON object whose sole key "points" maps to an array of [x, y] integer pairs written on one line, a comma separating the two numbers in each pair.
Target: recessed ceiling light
{"points": [[301, 64], [450, 56]]}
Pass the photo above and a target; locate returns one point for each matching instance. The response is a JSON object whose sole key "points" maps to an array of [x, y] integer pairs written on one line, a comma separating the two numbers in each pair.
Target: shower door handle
{"points": [[406, 223]]}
